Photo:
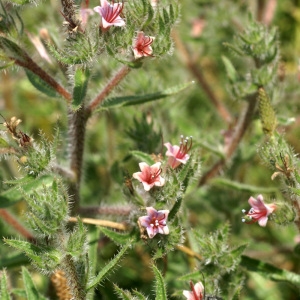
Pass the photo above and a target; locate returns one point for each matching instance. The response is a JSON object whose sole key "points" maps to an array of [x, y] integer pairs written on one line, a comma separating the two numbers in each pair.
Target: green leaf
{"points": [[43, 257], [13, 195], [4, 292], [150, 14], [160, 287], [194, 276], [237, 251], [3, 143], [31, 291], [12, 50], [139, 99], [81, 79], [269, 271], [143, 157], [108, 267], [139, 295], [174, 210], [230, 70], [14, 260], [40, 84], [125, 295], [223, 182], [118, 238], [93, 234]]}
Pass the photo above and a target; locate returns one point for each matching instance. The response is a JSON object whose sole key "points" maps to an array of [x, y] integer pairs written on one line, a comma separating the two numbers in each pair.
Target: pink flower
{"points": [[259, 211], [155, 222], [110, 13], [150, 175], [141, 45], [197, 292], [179, 154]]}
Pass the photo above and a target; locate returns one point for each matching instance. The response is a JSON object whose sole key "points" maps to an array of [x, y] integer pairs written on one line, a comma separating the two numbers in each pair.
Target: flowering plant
{"points": [[92, 186]]}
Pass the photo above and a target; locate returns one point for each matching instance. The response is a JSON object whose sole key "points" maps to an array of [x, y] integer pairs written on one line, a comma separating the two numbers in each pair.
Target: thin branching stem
{"points": [[12, 221], [241, 127], [77, 130], [113, 82], [197, 72], [29, 64]]}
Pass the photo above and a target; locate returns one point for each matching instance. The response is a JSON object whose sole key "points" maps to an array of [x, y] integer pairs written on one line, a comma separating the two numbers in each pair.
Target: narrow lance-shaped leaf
{"points": [[4, 292], [13, 261], [139, 296], [270, 271], [143, 157], [13, 195], [230, 70], [225, 183], [160, 287], [81, 78], [93, 236], [175, 209], [118, 238], [40, 84], [31, 291], [124, 295], [140, 99], [36, 253], [12, 50], [107, 268]]}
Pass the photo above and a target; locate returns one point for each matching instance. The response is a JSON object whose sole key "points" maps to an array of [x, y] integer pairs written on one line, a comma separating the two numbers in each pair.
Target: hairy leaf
{"points": [[270, 271], [13, 195], [4, 292], [118, 238], [40, 84], [143, 157], [140, 99], [81, 78], [108, 267], [31, 291], [160, 290]]}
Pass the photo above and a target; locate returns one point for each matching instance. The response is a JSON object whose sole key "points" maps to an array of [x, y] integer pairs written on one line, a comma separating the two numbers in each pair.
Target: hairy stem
{"points": [[29, 64], [72, 278], [196, 71], [113, 82], [77, 125]]}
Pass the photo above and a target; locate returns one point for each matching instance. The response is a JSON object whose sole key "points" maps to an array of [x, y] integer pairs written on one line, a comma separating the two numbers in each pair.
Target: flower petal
{"points": [[189, 295], [144, 221], [151, 231], [258, 204], [152, 212], [263, 221]]}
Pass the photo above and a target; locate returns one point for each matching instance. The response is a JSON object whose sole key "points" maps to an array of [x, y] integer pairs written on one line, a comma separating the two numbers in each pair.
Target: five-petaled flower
{"points": [[110, 13], [259, 211], [179, 154], [155, 222], [196, 293], [142, 45], [150, 175]]}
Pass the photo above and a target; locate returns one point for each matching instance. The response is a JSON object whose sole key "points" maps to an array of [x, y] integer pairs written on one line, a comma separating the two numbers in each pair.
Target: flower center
{"points": [[156, 222], [153, 176], [185, 146]]}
